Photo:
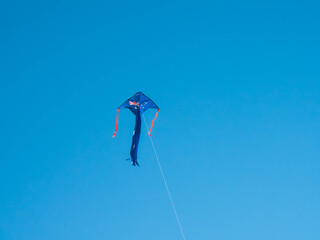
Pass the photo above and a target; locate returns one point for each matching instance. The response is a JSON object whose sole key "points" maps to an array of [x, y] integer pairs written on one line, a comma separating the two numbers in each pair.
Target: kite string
{"points": [[165, 182]]}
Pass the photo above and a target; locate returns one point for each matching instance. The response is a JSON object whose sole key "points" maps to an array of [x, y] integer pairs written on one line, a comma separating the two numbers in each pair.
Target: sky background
{"points": [[238, 133]]}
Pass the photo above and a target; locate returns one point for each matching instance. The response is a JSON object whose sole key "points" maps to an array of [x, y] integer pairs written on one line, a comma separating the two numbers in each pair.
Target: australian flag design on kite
{"points": [[137, 104]]}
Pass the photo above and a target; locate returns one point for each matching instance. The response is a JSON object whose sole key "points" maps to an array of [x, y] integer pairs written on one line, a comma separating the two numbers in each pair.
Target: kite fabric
{"points": [[137, 104]]}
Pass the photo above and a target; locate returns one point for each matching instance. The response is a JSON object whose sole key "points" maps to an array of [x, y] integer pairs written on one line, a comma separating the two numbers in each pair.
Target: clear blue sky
{"points": [[238, 133]]}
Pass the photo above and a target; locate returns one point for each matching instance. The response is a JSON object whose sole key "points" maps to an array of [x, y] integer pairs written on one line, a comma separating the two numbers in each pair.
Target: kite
{"points": [[137, 104]]}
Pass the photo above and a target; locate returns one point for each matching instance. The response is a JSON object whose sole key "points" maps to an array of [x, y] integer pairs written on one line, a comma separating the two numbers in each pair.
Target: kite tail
{"points": [[153, 122], [135, 140], [115, 131], [134, 163]]}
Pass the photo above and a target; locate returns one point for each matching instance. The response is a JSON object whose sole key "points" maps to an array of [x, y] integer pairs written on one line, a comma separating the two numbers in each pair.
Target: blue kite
{"points": [[137, 104]]}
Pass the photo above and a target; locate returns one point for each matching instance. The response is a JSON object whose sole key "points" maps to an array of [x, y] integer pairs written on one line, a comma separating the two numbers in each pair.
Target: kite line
{"points": [[164, 180]]}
